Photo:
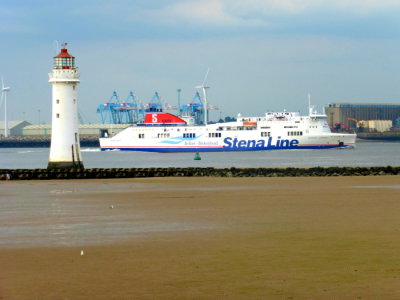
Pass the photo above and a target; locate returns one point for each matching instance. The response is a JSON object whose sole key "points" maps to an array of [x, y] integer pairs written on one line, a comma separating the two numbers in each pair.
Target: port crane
{"points": [[196, 109], [130, 111]]}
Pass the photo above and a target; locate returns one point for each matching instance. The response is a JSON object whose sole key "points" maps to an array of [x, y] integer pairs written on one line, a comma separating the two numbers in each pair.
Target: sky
{"points": [[262, 55]]}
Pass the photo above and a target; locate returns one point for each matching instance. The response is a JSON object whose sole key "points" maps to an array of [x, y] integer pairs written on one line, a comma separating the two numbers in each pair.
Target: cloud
{"points": [[275, 16], [270, 7], [256, 12], [207, 12], [194, 19]]}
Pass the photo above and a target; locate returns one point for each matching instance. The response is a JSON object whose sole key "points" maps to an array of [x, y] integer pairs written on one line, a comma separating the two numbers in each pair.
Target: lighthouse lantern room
{"points": [[64, 60], [64, 148]]}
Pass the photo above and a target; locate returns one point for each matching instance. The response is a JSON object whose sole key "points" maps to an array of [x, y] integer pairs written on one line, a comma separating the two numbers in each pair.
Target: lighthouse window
{"points": [[57, 115], [74, 99], [58, 101]]}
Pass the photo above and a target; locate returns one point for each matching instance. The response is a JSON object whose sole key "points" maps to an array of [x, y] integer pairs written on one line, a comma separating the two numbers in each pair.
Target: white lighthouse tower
{"points": [[64, 150]]}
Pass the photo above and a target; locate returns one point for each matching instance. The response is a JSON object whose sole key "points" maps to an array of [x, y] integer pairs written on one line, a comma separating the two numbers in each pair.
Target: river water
{"points": [[364, 154], [63, 213]]}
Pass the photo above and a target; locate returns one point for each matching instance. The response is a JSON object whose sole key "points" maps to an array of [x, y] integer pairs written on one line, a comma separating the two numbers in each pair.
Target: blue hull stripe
{"points": [[219, 149]]}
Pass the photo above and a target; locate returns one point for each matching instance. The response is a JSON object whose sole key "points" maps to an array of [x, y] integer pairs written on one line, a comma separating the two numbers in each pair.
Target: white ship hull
{"points": [[275, 131]]}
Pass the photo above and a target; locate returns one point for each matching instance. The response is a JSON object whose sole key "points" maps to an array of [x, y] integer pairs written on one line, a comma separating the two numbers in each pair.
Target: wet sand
{"points": [[201, 238]]}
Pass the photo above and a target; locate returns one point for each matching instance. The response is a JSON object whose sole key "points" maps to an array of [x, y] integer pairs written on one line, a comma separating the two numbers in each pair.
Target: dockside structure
{"points": [[350, 113]]}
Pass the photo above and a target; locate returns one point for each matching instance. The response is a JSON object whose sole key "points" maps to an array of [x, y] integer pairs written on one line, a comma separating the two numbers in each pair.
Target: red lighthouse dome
{"points": [[64, 60]]}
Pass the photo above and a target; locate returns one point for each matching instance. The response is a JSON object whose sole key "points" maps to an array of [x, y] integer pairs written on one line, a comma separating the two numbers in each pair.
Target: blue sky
{"points": [[263, 55]]}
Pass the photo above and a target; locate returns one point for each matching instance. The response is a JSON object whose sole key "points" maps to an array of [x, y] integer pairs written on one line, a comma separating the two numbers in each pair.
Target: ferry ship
{"points": [[165, 132]]}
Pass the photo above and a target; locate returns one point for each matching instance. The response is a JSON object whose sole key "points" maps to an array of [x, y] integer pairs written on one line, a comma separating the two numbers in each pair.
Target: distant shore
{"points": [[43, 141]]}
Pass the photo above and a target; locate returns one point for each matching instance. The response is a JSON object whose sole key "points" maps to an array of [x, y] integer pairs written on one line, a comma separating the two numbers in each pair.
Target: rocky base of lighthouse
{"points": [[65, 165]]}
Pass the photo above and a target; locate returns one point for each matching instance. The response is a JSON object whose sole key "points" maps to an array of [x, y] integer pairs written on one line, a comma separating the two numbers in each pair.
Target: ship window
{"points": [[189, 135], [295, 133], [163, 135], [141, 135], [265, 134], [214, 134]]}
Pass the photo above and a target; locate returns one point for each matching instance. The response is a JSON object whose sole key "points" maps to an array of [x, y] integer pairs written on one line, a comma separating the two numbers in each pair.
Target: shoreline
{"points": [[43, 141]]}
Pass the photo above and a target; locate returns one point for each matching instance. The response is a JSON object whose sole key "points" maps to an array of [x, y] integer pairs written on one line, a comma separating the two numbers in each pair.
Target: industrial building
{"points": [[14, 127], [84, 129], [350, 114], [24, 128]]}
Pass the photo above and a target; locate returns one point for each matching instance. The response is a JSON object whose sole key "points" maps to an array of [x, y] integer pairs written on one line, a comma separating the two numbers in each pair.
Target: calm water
{"points": [[365, 154], [62, 213]]}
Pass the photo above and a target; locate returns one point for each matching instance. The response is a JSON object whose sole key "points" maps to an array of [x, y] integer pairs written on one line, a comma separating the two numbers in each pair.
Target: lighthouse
{"points": [[64, 78]]}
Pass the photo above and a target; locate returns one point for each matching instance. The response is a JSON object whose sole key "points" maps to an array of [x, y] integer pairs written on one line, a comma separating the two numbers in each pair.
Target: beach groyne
{"points": [[100, 173]]}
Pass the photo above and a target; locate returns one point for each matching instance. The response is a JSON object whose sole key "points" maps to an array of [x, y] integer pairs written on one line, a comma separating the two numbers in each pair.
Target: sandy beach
{"points": [[201, 238]]}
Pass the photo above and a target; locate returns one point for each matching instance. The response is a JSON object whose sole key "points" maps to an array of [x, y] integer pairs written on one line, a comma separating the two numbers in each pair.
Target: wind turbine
{"points": [[4, 91], [204, 88]]}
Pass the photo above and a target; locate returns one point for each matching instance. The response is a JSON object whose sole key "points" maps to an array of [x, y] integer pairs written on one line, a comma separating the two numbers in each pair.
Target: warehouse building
{"points": [[14, 127], [84, 129], [349, 114]]}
